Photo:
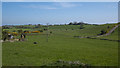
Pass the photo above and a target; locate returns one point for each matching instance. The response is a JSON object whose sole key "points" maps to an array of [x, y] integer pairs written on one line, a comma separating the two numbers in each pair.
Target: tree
{"points": [[29, 24], [70, 23], [118, 22], [80, 23], [38, 24], [75, 23]]}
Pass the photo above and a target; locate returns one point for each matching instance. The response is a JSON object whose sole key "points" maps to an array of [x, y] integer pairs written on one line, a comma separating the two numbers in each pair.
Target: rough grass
{"points": [[62, 46]]}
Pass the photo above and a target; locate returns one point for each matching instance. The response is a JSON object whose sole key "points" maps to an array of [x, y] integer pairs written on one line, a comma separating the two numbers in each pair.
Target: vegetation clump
{"points": [[102, 32], [67, 63]]}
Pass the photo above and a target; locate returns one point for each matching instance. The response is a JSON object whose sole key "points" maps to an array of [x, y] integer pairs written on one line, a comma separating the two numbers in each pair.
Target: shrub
{"points": [[61, 63], [45, 29], [4, 35], [51, 32], [27, 32], [20, 31], [14, 30], [40, 30], [35, 32], [14, 33], [103, 32]]}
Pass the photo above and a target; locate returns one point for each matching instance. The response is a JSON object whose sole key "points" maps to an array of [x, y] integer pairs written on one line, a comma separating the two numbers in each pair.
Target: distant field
{"points": [[62, 45]]}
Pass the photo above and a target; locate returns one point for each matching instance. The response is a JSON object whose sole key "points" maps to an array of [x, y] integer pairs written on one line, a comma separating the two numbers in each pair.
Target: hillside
{"points": [[62, 45]]}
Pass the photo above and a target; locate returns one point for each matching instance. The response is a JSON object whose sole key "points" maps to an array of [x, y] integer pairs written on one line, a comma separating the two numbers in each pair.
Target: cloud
{"points": [[53, 5], [51, 8], [38, 6], [67, 5], [14, 0]]}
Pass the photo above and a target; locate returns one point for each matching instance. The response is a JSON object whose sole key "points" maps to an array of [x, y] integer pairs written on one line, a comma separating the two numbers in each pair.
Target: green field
{"points": [[62, 45]]}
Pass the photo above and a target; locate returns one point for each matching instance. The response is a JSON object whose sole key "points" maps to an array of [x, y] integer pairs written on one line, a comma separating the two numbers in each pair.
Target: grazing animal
{"points": [[23, 36]]}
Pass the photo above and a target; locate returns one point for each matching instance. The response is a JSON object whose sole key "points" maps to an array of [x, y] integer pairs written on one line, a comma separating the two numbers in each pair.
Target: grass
{"points": [[62, 46], [114, 35]]}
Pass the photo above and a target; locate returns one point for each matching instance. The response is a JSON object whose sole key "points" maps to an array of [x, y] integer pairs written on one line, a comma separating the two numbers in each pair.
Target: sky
{"points": [[17, 13], [60, 0], [0, 13]]}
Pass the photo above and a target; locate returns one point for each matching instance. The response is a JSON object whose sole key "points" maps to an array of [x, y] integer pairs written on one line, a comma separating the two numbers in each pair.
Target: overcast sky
{"points": [[59, 12]]}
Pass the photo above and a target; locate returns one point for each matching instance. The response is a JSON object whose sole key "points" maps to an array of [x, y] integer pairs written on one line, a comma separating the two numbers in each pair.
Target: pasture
{"points": [[62, 45]]}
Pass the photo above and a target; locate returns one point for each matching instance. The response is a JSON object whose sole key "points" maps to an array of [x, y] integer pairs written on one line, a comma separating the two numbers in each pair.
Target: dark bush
{"points": [[45, 29], [51, 32], [4, 35], [35, 42], [102, 32], [88, 37], [40, 30]]}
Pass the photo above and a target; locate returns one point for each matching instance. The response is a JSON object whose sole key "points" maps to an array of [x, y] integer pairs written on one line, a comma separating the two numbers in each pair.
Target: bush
{"points": [[20, 31], [40, 30], [14, 30], [4, 35], [61, 63], [45, 29], [118, 22], [51, 32], [35, 32], [27, 31], [103, 32]]}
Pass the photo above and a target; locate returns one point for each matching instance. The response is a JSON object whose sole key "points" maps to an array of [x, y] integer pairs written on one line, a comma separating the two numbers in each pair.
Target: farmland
{"points": [[62, 45]]}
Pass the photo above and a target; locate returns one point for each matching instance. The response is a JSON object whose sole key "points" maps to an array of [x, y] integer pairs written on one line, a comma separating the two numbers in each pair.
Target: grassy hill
{"points": [[62, 45]]}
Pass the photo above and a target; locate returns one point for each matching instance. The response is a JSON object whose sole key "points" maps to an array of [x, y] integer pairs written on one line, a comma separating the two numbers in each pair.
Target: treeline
{"points": [[78, 23]]}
